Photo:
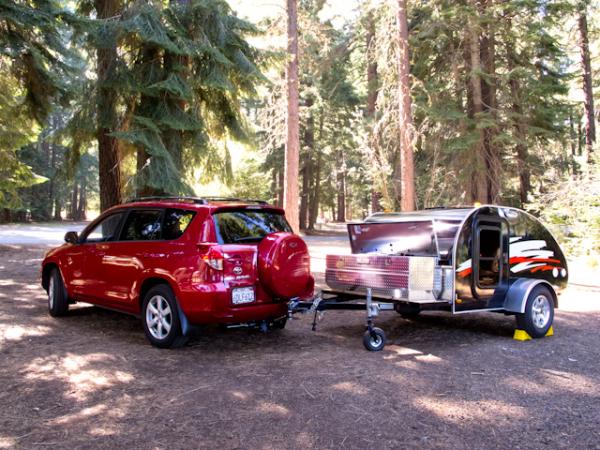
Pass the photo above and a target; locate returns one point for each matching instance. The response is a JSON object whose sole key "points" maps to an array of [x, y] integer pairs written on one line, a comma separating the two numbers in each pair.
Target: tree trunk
{"points": [[590, 124], [147, 106], [372, 75], [372, 91], [316, 195], [290, 197], [57, 209], [572, 134], [309, 145], [174, 138], [82, 201], [493, 165], [108, 146], [341, 190], [407, 169], [306, 176], [519, 124], [52, 160], [281, 186], [579, 139], [74, 196], [478, 183], [573, 141], [274, 186]]}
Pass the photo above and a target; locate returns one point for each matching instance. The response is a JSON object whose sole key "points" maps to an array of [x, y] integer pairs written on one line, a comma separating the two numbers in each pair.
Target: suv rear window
{"points": [[248, 226]]}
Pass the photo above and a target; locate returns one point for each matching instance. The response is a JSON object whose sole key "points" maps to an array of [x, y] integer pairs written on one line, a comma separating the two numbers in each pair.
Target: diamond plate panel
{"points": [[421, 273], [348, 272]]}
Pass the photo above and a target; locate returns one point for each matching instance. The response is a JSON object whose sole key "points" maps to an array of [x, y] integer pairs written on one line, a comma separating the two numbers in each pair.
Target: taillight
{"points": [[214, 258]]}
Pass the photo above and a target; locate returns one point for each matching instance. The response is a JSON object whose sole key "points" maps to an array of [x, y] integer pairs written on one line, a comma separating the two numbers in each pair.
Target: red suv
{"points": [[183, 261]]}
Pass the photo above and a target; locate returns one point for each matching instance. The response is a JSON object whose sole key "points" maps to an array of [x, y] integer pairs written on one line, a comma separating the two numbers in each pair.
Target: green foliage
{"points": [[33, 45], [571, 208], [181, 72], [186, 82]]}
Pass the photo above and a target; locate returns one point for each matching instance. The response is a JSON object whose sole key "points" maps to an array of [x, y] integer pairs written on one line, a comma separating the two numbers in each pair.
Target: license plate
{"points": [[239, 296]]}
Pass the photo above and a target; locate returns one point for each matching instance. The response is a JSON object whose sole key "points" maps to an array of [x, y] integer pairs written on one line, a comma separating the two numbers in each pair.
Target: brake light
{"points": [[214, 258]]}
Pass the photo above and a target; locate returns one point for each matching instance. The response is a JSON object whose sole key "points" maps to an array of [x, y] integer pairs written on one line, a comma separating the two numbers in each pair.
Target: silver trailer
{"points": [[461, 260]]}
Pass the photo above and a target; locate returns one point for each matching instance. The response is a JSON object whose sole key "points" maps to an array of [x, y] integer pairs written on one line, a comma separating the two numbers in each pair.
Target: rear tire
{"points": [[374, 340], [160, 318], [539, 313], [58, 300]]}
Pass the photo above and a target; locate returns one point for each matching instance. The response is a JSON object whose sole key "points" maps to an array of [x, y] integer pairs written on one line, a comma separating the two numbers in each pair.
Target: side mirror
{"points": [[71, 237]]}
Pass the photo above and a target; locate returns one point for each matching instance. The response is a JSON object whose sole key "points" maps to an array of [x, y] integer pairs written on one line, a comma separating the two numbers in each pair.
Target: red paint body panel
{"points": [[112, 274]]}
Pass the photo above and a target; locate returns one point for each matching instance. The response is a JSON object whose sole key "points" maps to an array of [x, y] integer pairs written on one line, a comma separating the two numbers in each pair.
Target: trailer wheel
{"points": [[374, 340], [539, 313], [409, 311]]}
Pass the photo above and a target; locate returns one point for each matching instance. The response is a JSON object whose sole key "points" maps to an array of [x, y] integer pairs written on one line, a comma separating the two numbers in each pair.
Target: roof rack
{"points": [[196, 200]]}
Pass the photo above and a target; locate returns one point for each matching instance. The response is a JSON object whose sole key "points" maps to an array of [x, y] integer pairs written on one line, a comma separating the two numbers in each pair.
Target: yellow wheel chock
{"points": [[522, 335]]}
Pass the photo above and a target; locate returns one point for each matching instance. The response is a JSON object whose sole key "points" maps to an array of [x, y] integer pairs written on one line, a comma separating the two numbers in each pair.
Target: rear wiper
{"points": [[248, 239]]}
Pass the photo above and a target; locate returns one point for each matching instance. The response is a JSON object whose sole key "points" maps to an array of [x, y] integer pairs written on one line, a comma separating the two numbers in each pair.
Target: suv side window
{"points": [[142, 225], [106, 230], [175, 223]]}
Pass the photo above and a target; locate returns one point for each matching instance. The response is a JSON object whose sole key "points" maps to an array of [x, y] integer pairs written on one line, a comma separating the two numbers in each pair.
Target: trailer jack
{"points": [[373, 339]]}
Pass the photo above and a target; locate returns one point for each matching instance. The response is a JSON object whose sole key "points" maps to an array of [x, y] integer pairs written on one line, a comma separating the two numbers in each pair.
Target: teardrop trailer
{"points": [[460, 260]]}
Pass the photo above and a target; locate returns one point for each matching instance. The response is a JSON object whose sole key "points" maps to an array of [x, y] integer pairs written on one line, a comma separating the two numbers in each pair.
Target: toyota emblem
{"points": [[237, 270]]}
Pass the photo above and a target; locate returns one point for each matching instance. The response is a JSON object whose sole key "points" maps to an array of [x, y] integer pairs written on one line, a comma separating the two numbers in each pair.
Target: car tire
{"points": [[58, 300], [374, 340], [538, 316], [160, 318]]}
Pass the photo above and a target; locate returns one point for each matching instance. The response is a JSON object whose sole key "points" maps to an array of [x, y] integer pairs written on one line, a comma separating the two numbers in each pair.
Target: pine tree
{"points": [[292, 151]]}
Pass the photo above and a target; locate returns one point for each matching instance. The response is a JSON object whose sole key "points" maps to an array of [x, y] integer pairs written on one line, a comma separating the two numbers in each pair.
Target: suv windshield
{"points": [[248, 226]]}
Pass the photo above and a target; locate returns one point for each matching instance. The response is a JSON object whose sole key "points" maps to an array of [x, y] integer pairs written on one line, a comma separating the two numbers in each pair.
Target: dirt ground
{"points": [[92, 380]]}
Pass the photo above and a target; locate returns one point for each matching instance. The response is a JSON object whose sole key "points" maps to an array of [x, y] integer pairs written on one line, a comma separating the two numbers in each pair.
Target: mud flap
{"points": [[183, 320]]}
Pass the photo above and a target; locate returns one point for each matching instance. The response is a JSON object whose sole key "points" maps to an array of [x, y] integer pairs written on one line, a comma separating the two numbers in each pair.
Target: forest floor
{"points": [[92, 380]]}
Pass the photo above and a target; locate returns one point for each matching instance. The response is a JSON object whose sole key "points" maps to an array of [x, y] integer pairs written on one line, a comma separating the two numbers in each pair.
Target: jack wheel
{"points": [[374, 340]]}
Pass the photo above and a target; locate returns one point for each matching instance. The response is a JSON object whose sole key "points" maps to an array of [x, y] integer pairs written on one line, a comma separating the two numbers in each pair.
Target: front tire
{"points": [[58, 300], [539, 313], [160, 318]]}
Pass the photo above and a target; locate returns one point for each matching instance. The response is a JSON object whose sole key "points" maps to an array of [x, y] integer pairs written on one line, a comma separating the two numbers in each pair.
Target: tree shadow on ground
{"points": [[91, 379]]}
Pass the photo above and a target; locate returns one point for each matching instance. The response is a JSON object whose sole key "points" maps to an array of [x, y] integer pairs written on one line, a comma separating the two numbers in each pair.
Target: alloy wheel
{"points": [[540, 311], [159, 317]]}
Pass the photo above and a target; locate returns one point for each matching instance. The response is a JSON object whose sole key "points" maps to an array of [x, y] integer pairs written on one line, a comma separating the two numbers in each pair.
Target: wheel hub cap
{"points": [[159, 317], [540, 311], [51, 292]]}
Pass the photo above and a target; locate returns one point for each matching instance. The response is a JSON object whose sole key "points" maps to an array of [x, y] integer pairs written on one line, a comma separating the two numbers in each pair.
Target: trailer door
{"points": [[489, 279]]}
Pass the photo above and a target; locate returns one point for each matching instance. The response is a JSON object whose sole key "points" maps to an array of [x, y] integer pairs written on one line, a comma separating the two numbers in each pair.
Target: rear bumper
{"points": [[211, 304]]}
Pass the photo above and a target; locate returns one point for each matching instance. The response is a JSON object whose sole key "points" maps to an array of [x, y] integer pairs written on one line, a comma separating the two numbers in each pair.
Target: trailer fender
{"points": [[517, 294]]}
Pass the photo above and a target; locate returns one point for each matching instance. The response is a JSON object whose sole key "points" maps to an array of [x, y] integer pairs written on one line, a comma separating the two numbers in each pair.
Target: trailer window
{"points": [[490, 252]]}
